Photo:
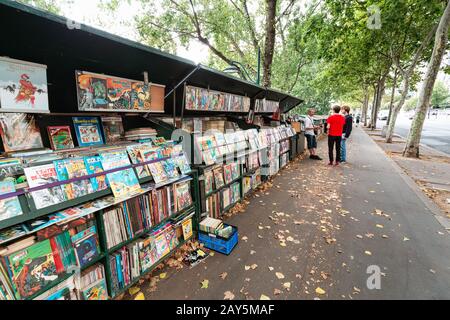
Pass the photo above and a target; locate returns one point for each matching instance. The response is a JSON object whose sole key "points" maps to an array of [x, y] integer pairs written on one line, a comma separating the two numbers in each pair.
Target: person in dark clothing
{"points": [[347, 130], [335, 125]]}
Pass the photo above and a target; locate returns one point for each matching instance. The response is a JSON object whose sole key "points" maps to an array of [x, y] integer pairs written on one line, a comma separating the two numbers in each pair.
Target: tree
{"points": [[48, 5], [440, 45], [440, 95]]}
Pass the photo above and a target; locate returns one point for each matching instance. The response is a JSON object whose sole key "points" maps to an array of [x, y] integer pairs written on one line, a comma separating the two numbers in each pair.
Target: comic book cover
{"points": [[32, 268], [157, 171], [162, 247], [191, 98], [171, 237], [150, 154], [209, 180], [136, 155], [141, 98], [42, 175], [76, 169], [88, 131], [9, 207], [118, 93], [170, 168], [23, 86], [204, 99], [122, 182], [86, 245], [187, 229], [19, 132], [94, 165], [112, 128], [226, 197], [218, 177], [91, 91], [183, 195], [147, 253], [234, 170], [12, 233], [65, 290], [235, 192], [60, 137], [63, 175], [182, 163], [227, 173], [95, 291]]}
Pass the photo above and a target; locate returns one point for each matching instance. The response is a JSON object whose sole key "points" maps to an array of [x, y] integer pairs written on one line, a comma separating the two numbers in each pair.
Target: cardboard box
{"points": [[297, 126]]}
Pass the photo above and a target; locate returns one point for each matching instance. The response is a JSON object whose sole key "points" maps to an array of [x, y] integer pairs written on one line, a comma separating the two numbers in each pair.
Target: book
{"points": [[140, 96], [209, 180], [63, 175], [182, 163], [32, 268], [9, 207], [218, 177], [187, 229], [93, 284], [170, 168], [60, 137], [94, 165], [88, 131], [86, 246], [122, 182], [43, 175], [136, 152], [157, 171], [19, 132], [77, 169], [63, 291], [13, 233], [112, 128], [183, 195], [227, 174]]}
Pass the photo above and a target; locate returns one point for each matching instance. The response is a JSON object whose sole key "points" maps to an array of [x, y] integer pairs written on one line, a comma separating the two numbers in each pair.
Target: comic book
{"points": [[32, 268], [63, 175], [60, 137], [42, 175], [88, 131], [13, 232], [227, 173], [187, 229], [91, 91], [9, 207], [157, 171], [136, 152], [209, 180], [118, 93], [162, 247], [95, 291], [86, 247], [94, 165], [141, 98], [150, 154], [75, 169], [170, 168], [112, 128], [122, 182], [182, 163], [234, 170], [218, 177], [65, 290], [183, 195], [19, 132]]}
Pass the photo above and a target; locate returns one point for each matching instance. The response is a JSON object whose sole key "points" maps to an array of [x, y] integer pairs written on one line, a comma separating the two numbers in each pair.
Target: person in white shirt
{"points": [[311, 135]]}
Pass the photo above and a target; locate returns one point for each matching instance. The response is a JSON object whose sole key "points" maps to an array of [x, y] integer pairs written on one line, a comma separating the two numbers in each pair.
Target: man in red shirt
{"points": [[335, 125]]}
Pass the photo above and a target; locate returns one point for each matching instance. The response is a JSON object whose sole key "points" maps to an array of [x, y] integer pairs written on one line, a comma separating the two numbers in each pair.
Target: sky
{"points": [[88, 12]]}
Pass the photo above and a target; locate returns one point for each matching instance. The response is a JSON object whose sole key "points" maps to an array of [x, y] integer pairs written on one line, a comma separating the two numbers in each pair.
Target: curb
{"points": [[431, 206]]}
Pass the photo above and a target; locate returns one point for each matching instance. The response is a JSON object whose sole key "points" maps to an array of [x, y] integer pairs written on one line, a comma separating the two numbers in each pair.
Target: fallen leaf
{"points": [[379, 226], [264, 297], [279, 275], [287, 285], [432, 271], [247, 268], [254, 266], [368, 253], [228, 295], [139, 296], [244, 238], [319, 290], [271, 268], [223, 275], [405, 239], [133, 290], [252, 251], [277, 292], [205, 284], [162, 275], [359, 236]]}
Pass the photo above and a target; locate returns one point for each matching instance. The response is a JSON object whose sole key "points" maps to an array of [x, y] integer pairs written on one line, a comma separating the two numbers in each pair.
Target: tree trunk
{"points": [[440, 43], [391, 104], [269, 43], [375, 91], [397, 108], [381, 86], [365, 106]]}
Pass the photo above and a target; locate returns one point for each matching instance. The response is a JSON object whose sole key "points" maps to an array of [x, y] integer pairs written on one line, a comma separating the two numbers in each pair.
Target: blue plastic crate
{"points": [[218, 243]]}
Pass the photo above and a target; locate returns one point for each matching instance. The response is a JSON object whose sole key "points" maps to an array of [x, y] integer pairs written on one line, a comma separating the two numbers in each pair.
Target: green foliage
{"points": [[47, 5]]}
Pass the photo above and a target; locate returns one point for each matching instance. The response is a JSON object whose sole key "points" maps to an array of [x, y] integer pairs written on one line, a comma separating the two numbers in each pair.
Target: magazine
{"points": [[95, 291], [122, 182], [75, 169], [182, 163], [136, 152], [9, 207], [112, 128], [86, 247], [60, 137], [42, 175], [19, 132], [187, 229], [88, 131], [62, 174], [227, 174], [94, 165], [140, 96], [209, 180], [32, 268], [157, 171], [183, 195], [218, 177], [170, 168]]}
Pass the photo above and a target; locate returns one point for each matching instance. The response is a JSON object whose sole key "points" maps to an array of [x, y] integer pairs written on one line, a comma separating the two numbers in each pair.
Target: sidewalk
{"points": [[315, 232], [431, 172]]}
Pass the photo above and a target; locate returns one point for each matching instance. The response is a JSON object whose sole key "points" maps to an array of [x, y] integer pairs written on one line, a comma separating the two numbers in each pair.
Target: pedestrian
{"points": [[335, 125], [357, 120], [347, 130], [310, 134]]}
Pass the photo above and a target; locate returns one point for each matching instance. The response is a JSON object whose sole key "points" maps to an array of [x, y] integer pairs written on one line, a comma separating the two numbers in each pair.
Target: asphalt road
{"points": [[316, 232], [435, 134]]}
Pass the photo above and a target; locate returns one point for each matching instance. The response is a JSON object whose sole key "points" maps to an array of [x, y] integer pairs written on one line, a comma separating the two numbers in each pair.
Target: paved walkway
{"points": [[318, 229]]}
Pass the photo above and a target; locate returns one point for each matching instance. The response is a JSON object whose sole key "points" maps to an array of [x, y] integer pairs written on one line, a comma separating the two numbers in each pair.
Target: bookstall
{"points": [[98, 185]]}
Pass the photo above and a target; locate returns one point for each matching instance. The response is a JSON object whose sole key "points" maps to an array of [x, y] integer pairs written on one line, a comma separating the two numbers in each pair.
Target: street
{"points": [[435, 134], [320, 233]]}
